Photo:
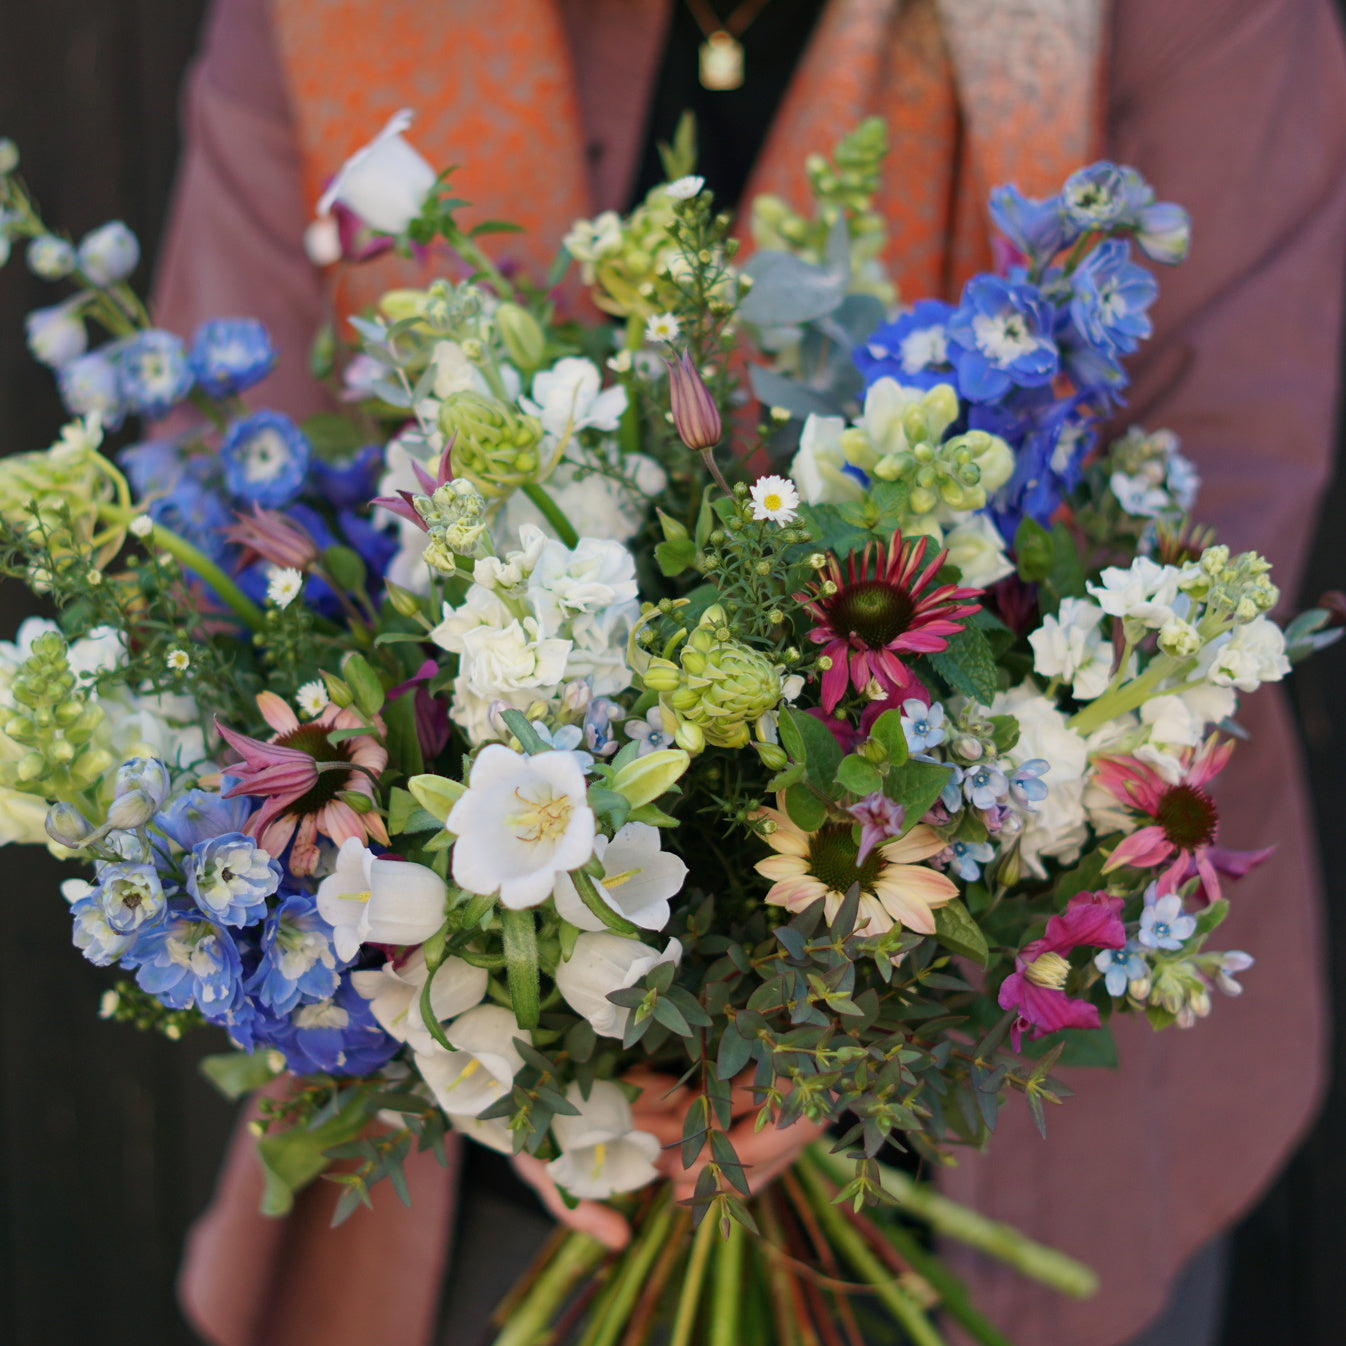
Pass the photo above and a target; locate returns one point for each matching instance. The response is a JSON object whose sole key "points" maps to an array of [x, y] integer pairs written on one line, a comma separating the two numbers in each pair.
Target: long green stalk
{"points": [[1001, 1241], [551, 511], [530, 1322], [727, 1295], [608, 1316], [689, 1301]]}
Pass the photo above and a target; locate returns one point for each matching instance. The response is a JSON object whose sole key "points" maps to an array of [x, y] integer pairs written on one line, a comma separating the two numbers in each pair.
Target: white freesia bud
{"points": [[394, 995], [109, 254], [367, 900], [56, 335], [602, 963], [638, 880], [482, 1065], [385, 183], [601, 1151]]}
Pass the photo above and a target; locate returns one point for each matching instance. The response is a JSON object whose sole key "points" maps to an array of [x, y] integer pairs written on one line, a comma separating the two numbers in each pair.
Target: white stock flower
{"points": [[1180, 719], [1057, 826], [482, 1065], [1142, 494], [368, 900], [638, 880], [1145, 592], [520, 823], [977, 549], [1070, 646], [394, 995], [603, 962], [601, 1151], [589, 240], [566, 398], [1253, 654], [385, 183]]}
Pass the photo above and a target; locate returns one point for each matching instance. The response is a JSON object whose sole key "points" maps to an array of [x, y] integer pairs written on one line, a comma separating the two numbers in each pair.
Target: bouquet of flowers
{"points": [[495, 758]]}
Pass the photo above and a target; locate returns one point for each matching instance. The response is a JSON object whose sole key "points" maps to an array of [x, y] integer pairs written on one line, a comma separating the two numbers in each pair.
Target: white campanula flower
{"points": [[492, 1132], [109, 254], [394, 994], [1253, 654], [977, 549], [1144, 593], [521, 822], [368, 900], [57, 335], [568, 398], [774, 499], [283, 585], [637, 882], [601, 1151], [601, 963], [819, 468], [481, 1067], [683, 189], [384, 183], [1071, 647]]}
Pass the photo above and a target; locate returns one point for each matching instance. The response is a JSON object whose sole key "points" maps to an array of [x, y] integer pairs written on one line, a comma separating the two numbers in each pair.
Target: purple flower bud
{"points": [[695, 414]]}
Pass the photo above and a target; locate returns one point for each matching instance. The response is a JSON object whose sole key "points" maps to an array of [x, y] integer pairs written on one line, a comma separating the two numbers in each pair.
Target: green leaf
{"points": [[677, 551], [968, 665], [1079, 1047], [331, 436], [957, 931], [791, 739], [859, 775], [404, 743], [364, 684], [916, 785], [1005, 732], [518, 931], [822, 752], [887, 731], [1032, 551], [782, 780], [345, 567], [292, 1159], [519, 725], [235, 1074], [1067, 573], [806, 810], [1212, 917], [734, 1053]]}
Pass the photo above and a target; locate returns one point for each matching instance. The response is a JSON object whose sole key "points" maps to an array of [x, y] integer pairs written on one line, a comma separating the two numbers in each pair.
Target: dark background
{"points": [[109, 1140]]}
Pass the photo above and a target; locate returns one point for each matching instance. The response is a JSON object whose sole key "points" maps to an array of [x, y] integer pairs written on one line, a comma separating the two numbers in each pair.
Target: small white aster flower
{"points": [[283, 585], [774, 498], [683, 189], [178, 660], [95, 578], [620, 362], [312, 698], [662, 327], [141, 526]]}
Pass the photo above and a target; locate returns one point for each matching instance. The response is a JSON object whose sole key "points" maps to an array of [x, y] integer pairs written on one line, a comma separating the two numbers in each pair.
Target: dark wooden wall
{"points": [[108, 1140]]}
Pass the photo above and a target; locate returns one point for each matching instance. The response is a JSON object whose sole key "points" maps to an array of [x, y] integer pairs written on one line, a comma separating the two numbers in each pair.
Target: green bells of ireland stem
{"points": [[56, 492], [719, 688], [494, 446]]}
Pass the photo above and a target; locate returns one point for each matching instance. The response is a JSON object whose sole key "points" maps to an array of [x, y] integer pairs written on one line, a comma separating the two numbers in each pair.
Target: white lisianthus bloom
{"points": [[589, 240], [566, 398], [482, 1065], [602, 963], [1253, 654], [819, 466], [1057, 827], [511, 574], [1070, 646], [977, 549], [601, 1151], [394, 995], [520, 823], [1144, 592], [638, 880], [367, 900], [385, 183]]}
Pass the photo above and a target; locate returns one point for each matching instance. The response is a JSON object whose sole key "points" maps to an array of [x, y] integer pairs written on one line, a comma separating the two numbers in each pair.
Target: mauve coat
{"points": [[1237, 108]]}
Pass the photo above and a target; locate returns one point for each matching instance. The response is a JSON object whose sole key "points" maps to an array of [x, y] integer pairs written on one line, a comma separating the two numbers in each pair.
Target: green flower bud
{"points": [[493, 444], [520, 335], [645, 779]]}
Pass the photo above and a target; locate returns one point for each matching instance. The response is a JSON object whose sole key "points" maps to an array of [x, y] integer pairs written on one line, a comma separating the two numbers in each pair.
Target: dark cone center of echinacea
{"points": [[312, 739], [1188, 817], [872, 611], [832, 855]]}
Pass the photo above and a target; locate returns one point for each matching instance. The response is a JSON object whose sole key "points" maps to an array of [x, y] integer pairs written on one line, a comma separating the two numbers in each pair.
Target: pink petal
{"points": [[276, 713], [1141, 850], [1089, 918]]}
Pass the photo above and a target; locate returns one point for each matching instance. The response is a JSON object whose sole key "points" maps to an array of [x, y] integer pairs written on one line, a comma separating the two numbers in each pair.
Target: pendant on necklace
{"points": [[721, 61]]}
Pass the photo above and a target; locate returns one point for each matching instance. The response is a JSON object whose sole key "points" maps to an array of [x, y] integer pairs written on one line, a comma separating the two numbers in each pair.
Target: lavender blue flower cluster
{"points": [[1036, 353]]}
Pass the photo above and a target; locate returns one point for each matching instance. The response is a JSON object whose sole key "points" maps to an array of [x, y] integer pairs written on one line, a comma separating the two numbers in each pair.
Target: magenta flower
{"points": [[1185, 821], [1036, 987], [879, 818], [403, 503], [885, 606]]}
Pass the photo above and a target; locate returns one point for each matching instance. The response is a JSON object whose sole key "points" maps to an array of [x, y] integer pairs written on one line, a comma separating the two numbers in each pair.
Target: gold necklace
{"points": [[721, 54]]}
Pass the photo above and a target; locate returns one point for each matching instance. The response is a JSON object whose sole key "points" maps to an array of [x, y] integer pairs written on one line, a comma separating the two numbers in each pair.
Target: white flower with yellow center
{"points": [[283, 585], [179, 661], [774, 499], [683, 189], [312, 698], [482, 1065], [520, 823], [602, 1153], [662, 327], [394, 992]]}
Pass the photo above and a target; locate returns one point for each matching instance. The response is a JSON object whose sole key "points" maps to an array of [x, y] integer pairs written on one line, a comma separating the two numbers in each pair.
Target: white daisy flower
{"points": [[312, 698], [683, 189], [283, 584], [774, 498], [178, 660], [662, 327], [141, 526]]}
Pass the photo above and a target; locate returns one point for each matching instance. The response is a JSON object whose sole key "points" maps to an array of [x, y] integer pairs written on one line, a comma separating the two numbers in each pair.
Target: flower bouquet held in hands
{"points": [[754, 738]]}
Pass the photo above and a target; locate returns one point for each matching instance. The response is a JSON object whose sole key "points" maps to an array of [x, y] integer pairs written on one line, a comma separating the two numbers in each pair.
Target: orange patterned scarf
{"points": [[975, 93]]}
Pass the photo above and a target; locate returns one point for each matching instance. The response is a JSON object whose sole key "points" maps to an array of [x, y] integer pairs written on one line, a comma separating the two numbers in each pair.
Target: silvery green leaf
{"points": [[837, 254], [775, 390], [787, 289]]}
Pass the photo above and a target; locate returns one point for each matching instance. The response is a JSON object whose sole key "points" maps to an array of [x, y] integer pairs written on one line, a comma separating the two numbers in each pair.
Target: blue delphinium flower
{"points": [[1120, 967], [154, 372], [230, 877], [93, 936], [132, 896], [1026, 786], [265, 458], [1000, 337], [967, 857], [196, 513], [336, 1036], [1110, 299], [913, 348], [298, 962], [922, 725], [197, 815], [984, 785], [352, 483], [187, 961], [375, 544], [1038, 228], [1163, 924], [90, 384], [231, 354], [1094, 198], [1162, 229]]}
